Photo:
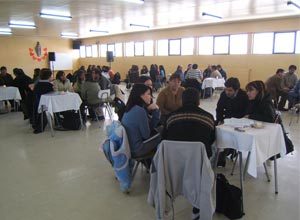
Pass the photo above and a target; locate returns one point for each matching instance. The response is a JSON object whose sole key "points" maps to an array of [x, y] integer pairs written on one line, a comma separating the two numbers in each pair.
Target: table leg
{"points": [[42, 118], [247, 164], [275, 174], [49, 119], [266, 172], [216, 159], [241, 177], [80, 116]]}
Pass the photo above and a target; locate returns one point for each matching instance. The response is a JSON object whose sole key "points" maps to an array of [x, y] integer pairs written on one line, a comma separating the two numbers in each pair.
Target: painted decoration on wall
{"points": [[38, 53]]}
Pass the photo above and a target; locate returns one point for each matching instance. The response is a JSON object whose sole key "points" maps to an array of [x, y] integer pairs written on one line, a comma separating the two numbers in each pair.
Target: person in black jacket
{"points": [[7, 80], [233, 101], [22, 82], [261, 107], [42, 87], [191, 123]]}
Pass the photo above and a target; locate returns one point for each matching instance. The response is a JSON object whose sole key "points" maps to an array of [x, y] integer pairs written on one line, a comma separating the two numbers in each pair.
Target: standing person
{"points": [[275, 86], [61, 83], [169, 99], [22, 81], [162, 74], [261, 107], [189, 66], [153, 72], [136, 122], [222, 71], [233, 101]]}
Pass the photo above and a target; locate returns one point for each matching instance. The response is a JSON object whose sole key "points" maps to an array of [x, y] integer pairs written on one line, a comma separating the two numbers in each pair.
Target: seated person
{"points": [[80, 79], [294, 95], [194, 73], [222, 71], [42, 87], [275, 86], [137, 123], [215, 72], [89, 93], [260, 107], [233, 101], [61, 83], [190, 122], [169, 99]]}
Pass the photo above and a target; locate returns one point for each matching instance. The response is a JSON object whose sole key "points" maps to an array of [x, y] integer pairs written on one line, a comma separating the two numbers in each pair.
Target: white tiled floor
{"points": [[67, 178]]}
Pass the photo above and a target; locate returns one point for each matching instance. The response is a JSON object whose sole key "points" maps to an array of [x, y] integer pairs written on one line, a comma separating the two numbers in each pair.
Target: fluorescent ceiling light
{"points": [[294, 4], [98, 31], [21, 25], [5, 32], [56, 16], [69, 35], [211, 15], [135, 1], [139, 25]]}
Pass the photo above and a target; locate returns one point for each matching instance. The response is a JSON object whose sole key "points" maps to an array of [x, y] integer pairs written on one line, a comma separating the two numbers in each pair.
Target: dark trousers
{"points": [[283, 97]]}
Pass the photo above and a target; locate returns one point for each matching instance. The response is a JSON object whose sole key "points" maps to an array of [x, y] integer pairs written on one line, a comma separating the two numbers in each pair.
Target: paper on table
{"points": [[238, 122]]}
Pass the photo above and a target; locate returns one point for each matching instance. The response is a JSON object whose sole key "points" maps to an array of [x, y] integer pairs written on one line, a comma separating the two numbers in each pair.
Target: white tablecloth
{"points": [[9, 93], [59, 102], [263, 143], [213, 83]]}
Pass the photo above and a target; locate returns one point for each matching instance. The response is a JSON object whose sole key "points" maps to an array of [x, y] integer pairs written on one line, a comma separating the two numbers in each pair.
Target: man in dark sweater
{"points": [[191, 123], [6, 80], [233, 101]]}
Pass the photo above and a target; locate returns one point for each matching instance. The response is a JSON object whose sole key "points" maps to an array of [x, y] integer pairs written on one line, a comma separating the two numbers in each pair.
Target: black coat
{"points": [[262, 110], [232, 107]]}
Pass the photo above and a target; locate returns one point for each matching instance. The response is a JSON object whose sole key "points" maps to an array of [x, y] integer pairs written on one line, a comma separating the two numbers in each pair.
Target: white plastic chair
{"points": [[105, 97]]}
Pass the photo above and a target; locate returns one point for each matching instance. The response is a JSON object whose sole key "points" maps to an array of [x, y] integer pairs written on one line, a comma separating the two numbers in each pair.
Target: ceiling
{"points": [[116, 15]]}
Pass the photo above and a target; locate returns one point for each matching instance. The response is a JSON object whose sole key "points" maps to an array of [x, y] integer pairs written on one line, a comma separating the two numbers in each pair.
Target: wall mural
{"points": [[38, 53]]}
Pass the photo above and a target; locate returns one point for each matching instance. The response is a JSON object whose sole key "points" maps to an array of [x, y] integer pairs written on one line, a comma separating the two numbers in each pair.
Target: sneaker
{"points": [[195, 214]]}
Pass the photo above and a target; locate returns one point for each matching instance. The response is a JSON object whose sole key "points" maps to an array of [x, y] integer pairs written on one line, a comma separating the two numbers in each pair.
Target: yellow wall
{"points": [[14, 51], [246, 67]]}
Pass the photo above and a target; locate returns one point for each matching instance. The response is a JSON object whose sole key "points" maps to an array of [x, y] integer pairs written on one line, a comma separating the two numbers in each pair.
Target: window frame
{"points": [[247, 44], [169, 47], [228, 46], [282, 32], [157, 48]]}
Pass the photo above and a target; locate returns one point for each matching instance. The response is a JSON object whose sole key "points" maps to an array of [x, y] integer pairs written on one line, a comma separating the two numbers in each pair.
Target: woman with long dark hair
{"points": [[261, 107], [136, 121]]}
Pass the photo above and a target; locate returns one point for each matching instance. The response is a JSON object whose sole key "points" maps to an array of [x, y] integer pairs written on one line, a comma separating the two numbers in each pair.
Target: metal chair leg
{"points": [[247, 164], [135, 169], [232, 171], [241, 178], [266, 172]]}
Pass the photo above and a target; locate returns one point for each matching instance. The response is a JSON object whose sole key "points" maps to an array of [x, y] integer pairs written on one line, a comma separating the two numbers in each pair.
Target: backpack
{"points": [[229, 199], [71, 120]]}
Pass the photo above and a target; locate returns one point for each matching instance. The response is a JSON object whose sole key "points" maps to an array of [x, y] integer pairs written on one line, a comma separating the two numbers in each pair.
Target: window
{"points": [[148, 48], [139, 49], [94, 50], [187, 46], [174, 47], [263, 43], [206, 45], [111, 47], [103, 49], [162, 47], [129, 49], [298, 42], [221, 44], [82, 51], [238, 44], [119, 49], [88, 51], [284, 42]]}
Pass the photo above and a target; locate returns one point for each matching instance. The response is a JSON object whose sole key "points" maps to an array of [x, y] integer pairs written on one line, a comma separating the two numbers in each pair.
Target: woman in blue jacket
{"points": [[138, 125]]}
